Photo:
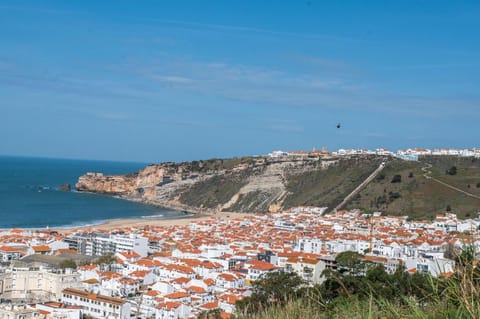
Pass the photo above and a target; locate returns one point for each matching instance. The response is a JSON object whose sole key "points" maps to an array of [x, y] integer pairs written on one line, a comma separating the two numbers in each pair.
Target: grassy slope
{"points": [[414, 196], [419, 197], [468, 172], [328, 187], [214, 191]]}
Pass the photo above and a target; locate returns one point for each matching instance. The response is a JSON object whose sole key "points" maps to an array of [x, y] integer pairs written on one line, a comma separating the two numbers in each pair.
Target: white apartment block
{"points": [[96, 305], [100, 244], [310, 245], [132, 242]]}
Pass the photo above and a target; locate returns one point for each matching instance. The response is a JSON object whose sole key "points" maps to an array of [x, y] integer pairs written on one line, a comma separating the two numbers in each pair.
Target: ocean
{"points": [[30, 198]]}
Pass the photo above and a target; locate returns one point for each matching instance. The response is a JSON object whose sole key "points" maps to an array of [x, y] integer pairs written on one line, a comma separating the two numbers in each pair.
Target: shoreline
{"points": [[171, 206], [183, 213], [186, 214], [123, 223]]}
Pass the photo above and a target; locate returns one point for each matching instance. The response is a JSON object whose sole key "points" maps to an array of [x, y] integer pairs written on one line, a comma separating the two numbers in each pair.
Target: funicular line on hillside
{"points": [[360, 187]]}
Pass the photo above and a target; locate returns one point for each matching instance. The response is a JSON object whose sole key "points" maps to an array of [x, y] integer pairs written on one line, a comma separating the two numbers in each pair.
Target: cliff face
{"points": [[246, 184], [258, 184], [99, 183], [139, 186]]}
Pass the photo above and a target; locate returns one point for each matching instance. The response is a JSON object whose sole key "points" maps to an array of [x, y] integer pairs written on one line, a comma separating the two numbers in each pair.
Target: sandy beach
{"points": [[140, 222]]}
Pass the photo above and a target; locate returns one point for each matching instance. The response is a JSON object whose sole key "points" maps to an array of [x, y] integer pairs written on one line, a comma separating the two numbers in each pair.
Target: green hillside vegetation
{"points": [[217, 164], [359, 289], [252, 202], [400, 189], [413, 195], [328, 187], [467, 171], [216, 190]]}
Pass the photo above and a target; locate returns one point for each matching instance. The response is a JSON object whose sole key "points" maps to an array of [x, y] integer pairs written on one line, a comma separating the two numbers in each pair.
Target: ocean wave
{"points": [[38, 187], [80, 224], [152, 216], [65, 226]]}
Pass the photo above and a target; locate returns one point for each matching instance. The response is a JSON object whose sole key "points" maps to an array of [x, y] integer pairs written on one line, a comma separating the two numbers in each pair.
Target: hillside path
{"points": [[427, 174]]}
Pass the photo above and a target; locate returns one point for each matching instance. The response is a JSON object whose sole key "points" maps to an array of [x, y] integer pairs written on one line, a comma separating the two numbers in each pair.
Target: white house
{"points": [[57, 310], [163, 287], [8, 253], [226, 281], [172, 310], [308, 269]]}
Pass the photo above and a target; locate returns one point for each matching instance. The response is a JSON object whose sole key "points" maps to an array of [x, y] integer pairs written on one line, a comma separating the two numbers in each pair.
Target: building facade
{"points": [[33, 283], [96, 305]]}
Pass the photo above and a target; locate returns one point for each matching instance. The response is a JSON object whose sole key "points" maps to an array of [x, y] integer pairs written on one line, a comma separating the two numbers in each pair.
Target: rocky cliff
{"points": [[260, 184], [242, 184]]}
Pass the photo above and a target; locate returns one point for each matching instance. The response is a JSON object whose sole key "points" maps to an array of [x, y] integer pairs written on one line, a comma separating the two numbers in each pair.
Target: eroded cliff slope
{"points": [[260, 184], [249, 184], [243, 184]]}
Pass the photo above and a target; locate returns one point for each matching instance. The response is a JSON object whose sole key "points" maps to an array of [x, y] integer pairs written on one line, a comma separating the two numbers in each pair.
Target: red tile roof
{"points": [[41, 249], [177, 295]]}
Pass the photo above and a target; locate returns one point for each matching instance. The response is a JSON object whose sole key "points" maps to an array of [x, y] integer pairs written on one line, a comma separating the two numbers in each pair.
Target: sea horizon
{"points": [[30, 197]]}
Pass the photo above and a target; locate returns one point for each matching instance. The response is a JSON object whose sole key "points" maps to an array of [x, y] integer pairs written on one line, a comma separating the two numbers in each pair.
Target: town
{"points": [[181, 271], [410, 154]]}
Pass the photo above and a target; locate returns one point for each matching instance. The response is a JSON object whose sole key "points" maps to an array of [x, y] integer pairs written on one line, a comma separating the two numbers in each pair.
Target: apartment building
{"points": [[309, 269], [36, 283], [97, 244], [96, 305]]}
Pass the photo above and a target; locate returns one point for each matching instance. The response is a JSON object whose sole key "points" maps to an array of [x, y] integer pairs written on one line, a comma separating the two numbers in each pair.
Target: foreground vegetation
{"points": [[363, 290]]}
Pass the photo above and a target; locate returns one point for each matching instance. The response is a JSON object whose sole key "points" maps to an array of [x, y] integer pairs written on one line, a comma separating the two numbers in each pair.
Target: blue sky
{"points": [[179, 80]]}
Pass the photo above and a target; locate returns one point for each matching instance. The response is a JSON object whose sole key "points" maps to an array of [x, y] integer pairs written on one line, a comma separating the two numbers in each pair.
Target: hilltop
{"points": [[260, 184]]}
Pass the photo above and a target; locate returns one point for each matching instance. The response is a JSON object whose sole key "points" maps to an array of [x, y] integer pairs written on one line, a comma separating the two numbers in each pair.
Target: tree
{"points": [[107, 259], [68, 263], [349, 262], [393, 195], [211, 314], [452, 170], [451, 252], [379, 283], [449, 208], [396, 178], [410, 175], [466, 256], [275, 287]]}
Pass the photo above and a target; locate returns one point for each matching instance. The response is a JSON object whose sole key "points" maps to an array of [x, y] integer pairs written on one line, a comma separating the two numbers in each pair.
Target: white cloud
{"points": [[259, 85], [246, 29], [172, 79], [112, 116], [286, 128]]}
